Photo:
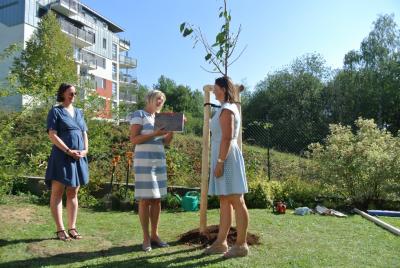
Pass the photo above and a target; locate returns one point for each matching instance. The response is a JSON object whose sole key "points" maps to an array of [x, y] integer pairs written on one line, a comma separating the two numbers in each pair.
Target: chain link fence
{"points": [[283, 146]]}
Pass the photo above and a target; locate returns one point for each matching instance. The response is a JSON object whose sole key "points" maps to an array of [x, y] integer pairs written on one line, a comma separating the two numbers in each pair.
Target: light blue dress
{"points": [[233, 181]]}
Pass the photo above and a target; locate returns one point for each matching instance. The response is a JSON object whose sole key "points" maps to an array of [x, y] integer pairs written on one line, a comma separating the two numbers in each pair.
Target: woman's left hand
{"points": [[219, 170], [83, 153]]}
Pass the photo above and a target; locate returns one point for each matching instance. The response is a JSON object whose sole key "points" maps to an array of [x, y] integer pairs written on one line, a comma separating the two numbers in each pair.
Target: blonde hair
{"points": [[153, 95]]}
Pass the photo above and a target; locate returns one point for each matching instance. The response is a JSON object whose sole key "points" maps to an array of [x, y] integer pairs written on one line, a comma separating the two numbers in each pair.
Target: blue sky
{"points": [[275, 32]]}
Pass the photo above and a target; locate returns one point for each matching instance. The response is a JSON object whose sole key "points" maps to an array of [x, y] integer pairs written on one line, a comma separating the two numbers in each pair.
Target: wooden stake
{"points": [[377, 221], [205, 159]]}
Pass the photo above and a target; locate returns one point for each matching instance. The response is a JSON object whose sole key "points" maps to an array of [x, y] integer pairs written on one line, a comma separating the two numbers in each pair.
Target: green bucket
{"points": [[190, 201]]}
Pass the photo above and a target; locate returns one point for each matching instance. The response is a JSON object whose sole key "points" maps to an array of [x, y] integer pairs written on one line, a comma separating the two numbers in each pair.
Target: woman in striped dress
{"points": [[150, 166]]}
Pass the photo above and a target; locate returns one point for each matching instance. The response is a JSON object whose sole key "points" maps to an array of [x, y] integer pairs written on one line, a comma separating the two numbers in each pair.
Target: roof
{"points": [[112, 26]]}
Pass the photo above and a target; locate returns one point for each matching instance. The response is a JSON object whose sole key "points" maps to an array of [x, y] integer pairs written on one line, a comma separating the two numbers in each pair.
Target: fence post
{"points": [[268, 127]]}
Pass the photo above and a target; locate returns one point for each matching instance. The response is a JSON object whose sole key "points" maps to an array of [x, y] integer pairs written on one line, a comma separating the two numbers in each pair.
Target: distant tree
{"points": [[8, 52], [368, 85], [181, 98], [291, 100], [45, 63]]}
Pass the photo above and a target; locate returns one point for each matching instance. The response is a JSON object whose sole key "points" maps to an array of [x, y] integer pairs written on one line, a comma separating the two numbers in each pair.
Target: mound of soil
{"points": [[194, 237]]}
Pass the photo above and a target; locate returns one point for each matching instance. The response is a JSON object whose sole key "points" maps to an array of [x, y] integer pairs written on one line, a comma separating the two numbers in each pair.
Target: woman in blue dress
{"points": [[227, 174], [67, 166]]}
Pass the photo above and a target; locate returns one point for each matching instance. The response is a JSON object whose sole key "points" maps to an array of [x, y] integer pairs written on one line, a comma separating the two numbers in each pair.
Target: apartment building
{"points": [[101, 55]]}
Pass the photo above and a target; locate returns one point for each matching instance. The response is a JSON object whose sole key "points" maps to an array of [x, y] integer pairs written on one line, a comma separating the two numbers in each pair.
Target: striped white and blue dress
{"points": [[149, 164]]}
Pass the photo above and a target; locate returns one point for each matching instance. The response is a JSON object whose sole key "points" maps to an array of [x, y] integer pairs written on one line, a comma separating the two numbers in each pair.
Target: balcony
{"points": [[127, 62], [66, 7], [124, 45], [127, 97], [86, 60], [78, 36], [127, 78], [87, 82]]}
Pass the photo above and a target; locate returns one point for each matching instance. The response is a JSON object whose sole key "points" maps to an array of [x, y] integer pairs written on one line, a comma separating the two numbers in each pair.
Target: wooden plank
{"points": [[379, 222]]}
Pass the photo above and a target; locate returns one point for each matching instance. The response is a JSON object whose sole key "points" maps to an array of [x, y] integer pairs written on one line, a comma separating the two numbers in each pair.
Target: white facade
{"points": [[94, 38]]}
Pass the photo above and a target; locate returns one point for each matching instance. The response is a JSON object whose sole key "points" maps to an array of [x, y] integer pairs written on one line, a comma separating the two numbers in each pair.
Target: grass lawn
{"points": [[112, 239]]}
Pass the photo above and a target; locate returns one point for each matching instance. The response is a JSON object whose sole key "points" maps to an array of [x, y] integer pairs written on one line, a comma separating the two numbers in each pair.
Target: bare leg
{"points": [[225, 220], [57, 190], [242, 219], [144, 215], [72, 207], [155, 211]]}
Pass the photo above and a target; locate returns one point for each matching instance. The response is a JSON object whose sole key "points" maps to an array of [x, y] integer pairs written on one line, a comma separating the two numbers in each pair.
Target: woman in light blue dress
{"points": [[227, 174]]}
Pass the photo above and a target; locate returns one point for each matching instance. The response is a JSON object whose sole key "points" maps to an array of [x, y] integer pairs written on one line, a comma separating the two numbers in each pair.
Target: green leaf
{"points": [[207, 57], [219, 53], [220, 38], [187, 32], [182, 27]]}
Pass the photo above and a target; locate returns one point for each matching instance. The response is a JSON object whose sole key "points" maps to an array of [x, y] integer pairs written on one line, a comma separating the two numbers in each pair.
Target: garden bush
{"points": [[361, 166]]}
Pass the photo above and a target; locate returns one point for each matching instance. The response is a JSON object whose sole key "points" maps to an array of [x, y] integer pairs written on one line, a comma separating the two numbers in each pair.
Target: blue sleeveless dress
{"points": [[233, 181], [62, 167]]}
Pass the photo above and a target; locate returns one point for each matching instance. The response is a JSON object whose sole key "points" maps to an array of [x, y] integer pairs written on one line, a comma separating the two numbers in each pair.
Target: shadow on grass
{"points": [[4, 243], [143, 260]]}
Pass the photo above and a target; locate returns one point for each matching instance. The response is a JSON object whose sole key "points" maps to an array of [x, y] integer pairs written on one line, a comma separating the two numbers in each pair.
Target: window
{"points": [[41, 12], [100, 83], [104, 63], [114, 89], [114, 71], [114, 51], [104, 43]]}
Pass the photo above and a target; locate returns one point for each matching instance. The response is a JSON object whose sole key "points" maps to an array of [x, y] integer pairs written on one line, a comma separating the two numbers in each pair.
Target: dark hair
{"points": [[229, 89], [63, 87]]}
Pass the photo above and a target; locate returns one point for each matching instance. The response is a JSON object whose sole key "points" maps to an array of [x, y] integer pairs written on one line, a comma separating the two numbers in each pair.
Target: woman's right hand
{"points": [[75, 154]]}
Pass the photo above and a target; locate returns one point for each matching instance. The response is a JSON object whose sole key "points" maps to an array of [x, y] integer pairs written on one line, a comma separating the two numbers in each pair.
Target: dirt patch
{"points": [[54, 247], [194, 237], [17, 214]]}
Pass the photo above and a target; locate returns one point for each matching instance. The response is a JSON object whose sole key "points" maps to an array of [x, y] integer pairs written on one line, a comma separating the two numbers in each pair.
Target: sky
{"points": [[274, 33]]}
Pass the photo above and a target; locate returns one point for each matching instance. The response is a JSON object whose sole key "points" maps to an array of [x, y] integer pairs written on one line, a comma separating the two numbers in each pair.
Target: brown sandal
{"points": [[77, 236], [63, 237]]}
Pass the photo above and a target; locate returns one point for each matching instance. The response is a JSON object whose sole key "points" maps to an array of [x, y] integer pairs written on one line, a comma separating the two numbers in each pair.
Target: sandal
{"points": [[76, 236], [237, 251], [160, 244], [215, 249], [146, 247], [64, 237]]}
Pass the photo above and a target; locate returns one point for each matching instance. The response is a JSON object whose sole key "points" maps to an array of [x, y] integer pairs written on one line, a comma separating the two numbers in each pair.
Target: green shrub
{"points": [[363, 166], [171, 202], [5, 186], [301, 192], [86, 199], [213, 202], [258, 196]]}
